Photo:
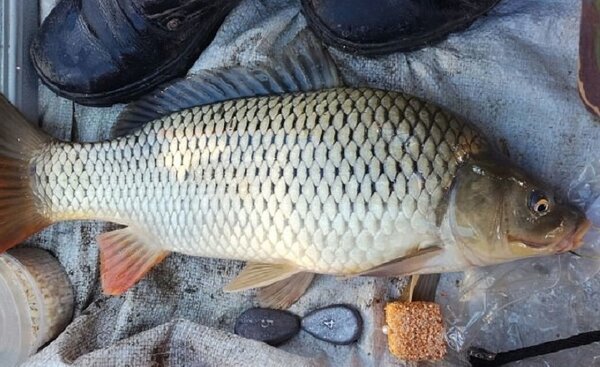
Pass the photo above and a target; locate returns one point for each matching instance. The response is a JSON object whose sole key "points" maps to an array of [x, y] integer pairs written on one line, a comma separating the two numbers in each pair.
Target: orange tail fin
{"points": [[19, 141]]}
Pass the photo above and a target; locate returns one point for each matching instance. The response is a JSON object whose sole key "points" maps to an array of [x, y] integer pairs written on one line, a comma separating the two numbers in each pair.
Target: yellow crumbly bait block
{"points": [[415, 330]]}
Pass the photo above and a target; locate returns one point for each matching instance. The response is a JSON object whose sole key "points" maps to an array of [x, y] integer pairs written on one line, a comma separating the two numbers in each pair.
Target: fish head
{"points": [[497, 213]]}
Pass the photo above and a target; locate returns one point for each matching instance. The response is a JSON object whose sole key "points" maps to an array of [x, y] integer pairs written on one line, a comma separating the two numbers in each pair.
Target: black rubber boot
{"points": [[102, 52], [374, 27]]}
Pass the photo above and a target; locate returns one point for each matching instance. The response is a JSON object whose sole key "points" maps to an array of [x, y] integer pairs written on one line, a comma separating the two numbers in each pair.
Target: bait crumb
{"points": [[415, 331]]}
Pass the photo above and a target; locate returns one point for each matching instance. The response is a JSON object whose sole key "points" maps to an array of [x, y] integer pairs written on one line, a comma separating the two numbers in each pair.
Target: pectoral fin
{"points": [[421, 288], [256, 275], [428, 260], [125, 258], [425, 287]]}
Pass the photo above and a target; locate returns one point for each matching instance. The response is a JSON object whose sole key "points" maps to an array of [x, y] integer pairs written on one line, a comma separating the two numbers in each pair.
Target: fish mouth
{"points": [[574, 240]]}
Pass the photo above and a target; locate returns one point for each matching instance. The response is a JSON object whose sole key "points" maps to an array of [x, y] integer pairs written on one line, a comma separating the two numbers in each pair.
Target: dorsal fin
{"points": [[304, 65]]}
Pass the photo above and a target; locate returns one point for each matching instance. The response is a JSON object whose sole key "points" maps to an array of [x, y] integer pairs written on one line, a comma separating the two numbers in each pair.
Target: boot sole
{"points": [[134, 90], [399, 45]]}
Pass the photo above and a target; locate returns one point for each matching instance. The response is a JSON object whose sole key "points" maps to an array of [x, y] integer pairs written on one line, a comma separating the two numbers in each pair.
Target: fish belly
{"points": [[336, 181]]}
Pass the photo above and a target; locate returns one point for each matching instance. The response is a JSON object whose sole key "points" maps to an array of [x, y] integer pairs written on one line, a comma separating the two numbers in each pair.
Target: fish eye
{"points": [[538, 202]]}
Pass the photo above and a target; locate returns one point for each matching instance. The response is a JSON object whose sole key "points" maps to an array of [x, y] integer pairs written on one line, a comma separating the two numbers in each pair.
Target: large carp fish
{"points": [[289, 170]]}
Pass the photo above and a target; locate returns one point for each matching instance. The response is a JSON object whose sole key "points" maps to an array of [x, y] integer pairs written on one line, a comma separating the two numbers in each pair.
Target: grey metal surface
{"points": [[18, 82]]}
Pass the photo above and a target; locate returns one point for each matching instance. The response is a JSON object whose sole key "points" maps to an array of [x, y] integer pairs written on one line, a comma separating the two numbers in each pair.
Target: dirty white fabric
{"points": [[513, 74]]}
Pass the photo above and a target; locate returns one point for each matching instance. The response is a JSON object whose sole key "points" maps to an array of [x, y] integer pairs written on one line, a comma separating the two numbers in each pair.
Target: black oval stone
{"points": [[337, 324], [273, 327]]}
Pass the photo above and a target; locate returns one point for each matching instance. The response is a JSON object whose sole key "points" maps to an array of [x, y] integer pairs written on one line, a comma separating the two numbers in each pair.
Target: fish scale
{"points": [[336, 181]]}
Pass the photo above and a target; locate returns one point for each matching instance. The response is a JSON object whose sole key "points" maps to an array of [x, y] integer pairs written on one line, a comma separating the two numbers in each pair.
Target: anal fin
{"points": [[284, 293], [125, 258]]}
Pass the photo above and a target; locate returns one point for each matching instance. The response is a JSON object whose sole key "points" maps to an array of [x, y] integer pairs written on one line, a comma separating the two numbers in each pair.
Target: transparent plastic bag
{"points": [[531, 301]]}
